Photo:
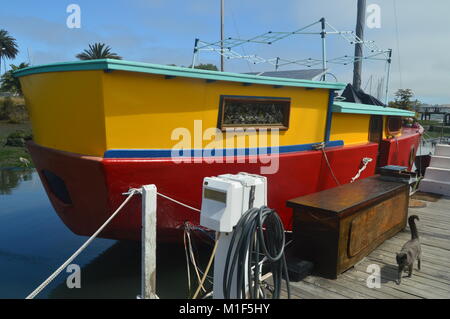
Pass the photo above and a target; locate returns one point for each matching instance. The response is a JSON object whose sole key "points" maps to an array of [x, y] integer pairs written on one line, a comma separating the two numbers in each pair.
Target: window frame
{"points": [[286, 112], [393, 133]]}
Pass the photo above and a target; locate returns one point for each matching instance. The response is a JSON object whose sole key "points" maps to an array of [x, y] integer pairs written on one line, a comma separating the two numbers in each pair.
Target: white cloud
{"points": [[163, 32]]}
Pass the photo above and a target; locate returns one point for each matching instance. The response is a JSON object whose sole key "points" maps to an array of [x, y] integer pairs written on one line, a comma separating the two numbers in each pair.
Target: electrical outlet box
{"points": [[227, 197]]}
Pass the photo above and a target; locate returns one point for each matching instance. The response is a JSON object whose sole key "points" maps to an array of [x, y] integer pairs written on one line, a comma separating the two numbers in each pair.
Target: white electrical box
{"points": [[227, 197]]}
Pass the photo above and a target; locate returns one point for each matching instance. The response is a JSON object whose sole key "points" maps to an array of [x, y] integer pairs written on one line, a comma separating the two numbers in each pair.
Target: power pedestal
{"points": [[225, 199]]}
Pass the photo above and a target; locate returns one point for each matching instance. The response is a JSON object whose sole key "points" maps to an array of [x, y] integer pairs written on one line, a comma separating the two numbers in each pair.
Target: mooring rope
{"points": [[71, 258], [321, 147], [365, 161], [179, 203], [329, 167]]}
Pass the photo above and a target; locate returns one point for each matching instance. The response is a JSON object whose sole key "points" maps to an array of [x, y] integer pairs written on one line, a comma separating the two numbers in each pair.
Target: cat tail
{"points": [[413, 227]]}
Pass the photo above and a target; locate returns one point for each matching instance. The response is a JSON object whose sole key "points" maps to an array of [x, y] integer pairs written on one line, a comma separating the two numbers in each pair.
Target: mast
{"points": [[324, 49], [360, 20], [221, 34]]}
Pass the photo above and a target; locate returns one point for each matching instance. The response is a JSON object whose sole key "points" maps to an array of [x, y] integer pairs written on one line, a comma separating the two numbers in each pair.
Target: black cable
{"points": [[258, 236]]}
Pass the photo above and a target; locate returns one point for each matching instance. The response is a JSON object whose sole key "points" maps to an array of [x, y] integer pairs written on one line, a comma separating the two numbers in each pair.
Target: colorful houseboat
{"points": [[104, 126]]}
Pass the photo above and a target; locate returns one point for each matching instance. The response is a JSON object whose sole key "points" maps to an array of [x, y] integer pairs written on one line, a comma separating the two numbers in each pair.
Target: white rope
{"points": [[205, 274], [187, 260], [329, 167], [71, 258], [366, 161], [194, 263], [179, 203]]}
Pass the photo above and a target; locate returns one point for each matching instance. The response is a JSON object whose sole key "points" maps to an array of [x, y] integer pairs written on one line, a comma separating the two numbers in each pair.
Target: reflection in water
{"points": [[115, 273], [112, 274], [34, 242], [11, 178]]}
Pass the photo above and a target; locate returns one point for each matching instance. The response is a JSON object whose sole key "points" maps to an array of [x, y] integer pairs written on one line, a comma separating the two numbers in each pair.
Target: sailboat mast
{"points": [[357, 66], [221, 34]]}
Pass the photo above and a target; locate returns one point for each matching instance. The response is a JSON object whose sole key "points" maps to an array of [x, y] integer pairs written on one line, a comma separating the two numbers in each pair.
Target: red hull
{"points": [[95, 185]]}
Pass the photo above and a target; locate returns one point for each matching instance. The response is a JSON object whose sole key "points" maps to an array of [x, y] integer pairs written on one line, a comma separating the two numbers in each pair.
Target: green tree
{"points": [[404, 100], [208, 66], [9, 83], [8, 47], [98, 51]]}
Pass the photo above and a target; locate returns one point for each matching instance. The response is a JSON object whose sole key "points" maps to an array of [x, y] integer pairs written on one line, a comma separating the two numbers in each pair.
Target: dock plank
{"points": [[431, 282]]}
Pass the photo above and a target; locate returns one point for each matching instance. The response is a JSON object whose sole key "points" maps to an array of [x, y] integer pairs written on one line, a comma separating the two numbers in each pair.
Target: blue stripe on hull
{"points": [[164, 153]]}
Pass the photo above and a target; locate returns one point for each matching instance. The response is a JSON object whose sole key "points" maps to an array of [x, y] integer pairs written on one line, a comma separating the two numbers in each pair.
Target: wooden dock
{"points": [[432, 282]]}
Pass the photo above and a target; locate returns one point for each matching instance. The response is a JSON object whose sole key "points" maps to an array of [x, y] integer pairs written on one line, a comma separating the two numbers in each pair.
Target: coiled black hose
{"points": [[259, 235]]}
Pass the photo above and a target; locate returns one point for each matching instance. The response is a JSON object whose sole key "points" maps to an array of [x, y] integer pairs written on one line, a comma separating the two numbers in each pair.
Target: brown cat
{"points": [[410, 251]]}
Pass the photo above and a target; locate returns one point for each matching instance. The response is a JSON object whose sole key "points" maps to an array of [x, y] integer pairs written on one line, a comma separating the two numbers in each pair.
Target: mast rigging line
{"points": [[225, 47]]}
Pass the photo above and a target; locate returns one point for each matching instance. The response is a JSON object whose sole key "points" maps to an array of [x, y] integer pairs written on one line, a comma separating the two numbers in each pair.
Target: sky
{"points": [[163, 32]]}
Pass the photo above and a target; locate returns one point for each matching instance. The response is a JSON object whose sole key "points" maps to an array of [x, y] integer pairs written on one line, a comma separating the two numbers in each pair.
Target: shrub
{"points": [[18, 138], [6, 106], [13, 111]]}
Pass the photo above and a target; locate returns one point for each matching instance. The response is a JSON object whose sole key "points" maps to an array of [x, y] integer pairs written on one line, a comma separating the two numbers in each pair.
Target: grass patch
{"points": [[428, 122], [440, 129], [435, 135], [10, 156], [437, 131]]}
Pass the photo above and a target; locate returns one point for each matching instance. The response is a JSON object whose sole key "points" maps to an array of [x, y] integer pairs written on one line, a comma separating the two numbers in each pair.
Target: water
{"points": [[34, 242]]}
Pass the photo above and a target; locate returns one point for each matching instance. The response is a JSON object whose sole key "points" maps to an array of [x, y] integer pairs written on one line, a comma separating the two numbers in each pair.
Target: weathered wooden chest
{"points": [[338, 227]]}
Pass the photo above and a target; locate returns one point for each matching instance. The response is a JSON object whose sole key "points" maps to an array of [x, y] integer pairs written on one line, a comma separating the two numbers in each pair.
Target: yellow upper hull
{"points": [[92, 111]]}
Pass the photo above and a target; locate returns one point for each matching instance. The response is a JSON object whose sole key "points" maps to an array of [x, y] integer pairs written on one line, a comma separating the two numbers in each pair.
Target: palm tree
{"points": [[8, 47], [98, 51]]}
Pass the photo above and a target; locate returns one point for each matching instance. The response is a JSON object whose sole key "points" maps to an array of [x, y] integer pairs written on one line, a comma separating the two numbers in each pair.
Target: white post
{"points": [[219, 267], [148, 242]]}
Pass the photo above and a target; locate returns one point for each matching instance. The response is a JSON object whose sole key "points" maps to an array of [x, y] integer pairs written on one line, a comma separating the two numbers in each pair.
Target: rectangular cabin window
{"points": [[394, 125], [257, 112]]}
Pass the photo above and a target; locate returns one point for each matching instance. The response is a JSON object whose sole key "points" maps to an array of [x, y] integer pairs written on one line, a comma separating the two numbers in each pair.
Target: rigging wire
{"points": [[225, 47], [239, 36]]}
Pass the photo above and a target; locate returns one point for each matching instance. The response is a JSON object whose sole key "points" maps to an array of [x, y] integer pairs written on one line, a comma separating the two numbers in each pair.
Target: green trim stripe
{"points": [[356, 108], [121, 65]]}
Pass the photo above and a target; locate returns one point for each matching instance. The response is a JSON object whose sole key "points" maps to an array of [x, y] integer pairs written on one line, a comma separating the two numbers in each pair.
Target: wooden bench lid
{"points": [[347, 197]]}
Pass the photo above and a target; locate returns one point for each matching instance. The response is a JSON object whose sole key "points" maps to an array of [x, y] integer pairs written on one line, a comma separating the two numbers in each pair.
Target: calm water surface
{"points": [[34, 242]]}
